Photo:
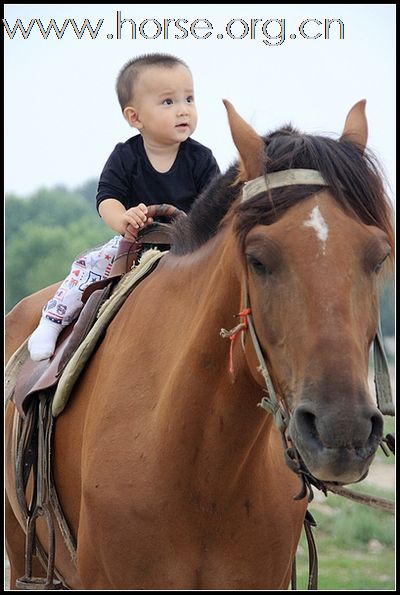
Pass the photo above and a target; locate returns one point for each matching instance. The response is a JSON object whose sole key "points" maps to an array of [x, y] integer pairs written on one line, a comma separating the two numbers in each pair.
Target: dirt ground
{"points": [[381, 475]]}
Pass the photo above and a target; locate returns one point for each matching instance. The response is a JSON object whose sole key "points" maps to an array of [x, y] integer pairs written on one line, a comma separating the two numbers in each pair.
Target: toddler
{"points": [[161, 164]]}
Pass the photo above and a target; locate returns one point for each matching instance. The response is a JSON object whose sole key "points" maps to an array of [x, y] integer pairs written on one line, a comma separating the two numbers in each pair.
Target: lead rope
{"points": [[234, 333]]}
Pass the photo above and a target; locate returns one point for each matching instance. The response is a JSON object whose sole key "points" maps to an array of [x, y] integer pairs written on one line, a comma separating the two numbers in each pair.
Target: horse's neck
{"points": [[214, 412]]}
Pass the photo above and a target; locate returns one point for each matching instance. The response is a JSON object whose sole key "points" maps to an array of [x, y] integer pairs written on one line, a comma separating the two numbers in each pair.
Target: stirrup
{"points": [[27, 581], [40, 508]]}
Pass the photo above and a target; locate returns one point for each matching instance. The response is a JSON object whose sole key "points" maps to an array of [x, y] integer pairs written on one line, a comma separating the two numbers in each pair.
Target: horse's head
{"points": [[313, 247]]}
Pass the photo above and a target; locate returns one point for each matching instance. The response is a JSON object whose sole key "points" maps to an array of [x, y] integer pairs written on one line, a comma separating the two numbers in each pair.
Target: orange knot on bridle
{"points": [[234, 333]]}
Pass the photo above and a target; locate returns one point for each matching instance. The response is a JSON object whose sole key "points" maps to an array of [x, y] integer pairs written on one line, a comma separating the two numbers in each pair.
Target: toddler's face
{"points": [[164, 100]]}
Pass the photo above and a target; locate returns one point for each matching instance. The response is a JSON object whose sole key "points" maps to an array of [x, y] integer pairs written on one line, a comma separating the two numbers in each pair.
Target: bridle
{"points": [[277, 405], [292, 177]]}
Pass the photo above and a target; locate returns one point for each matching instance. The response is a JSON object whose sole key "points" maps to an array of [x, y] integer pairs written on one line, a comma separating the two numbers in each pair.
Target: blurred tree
{"points": [[16, 214], [89, 191], [44, 233], [58, 207], [39, 256], [33, 256]]}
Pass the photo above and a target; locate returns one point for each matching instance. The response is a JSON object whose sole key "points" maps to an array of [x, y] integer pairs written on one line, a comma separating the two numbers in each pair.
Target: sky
{"points": [[277, 63]]}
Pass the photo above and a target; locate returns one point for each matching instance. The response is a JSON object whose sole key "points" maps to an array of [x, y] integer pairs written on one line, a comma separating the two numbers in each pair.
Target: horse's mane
{"points": [[354, 177]]}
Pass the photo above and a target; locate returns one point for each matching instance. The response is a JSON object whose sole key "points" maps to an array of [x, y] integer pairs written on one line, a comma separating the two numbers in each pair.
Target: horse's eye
{"points": [[380, 264], [256, 265]]}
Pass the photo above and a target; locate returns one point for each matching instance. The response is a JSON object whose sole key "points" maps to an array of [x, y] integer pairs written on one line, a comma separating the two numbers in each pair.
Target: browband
{"points": [[278, 179]]}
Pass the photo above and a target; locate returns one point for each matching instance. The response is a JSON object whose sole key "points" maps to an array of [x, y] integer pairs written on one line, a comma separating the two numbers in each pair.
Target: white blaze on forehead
{"points": [[317, 222]]}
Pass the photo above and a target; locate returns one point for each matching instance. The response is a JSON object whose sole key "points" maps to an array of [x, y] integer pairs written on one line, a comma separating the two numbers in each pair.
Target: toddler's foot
{"points": [[42, 342]]}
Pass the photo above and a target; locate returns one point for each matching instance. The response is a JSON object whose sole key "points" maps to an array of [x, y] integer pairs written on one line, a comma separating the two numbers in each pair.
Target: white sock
{"points": [[42, 342]]}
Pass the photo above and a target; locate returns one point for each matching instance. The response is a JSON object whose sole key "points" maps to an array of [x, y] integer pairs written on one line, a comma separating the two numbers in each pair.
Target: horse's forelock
{"points": [[353, 175]]}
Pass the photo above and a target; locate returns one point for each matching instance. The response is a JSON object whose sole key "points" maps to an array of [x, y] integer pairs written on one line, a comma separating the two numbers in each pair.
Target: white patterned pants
{"points": [[92, 266]]}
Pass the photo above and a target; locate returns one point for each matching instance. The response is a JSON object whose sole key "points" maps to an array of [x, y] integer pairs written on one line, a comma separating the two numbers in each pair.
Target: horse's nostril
{"points": [[376, 426], [306, 423]]}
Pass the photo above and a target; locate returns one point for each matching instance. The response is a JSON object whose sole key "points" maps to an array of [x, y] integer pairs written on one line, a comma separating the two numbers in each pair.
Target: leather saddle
{"points": [[34, 377]]}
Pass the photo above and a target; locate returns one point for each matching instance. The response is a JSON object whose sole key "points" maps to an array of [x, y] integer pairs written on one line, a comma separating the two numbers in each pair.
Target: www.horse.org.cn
{"points": [[272, 32]]}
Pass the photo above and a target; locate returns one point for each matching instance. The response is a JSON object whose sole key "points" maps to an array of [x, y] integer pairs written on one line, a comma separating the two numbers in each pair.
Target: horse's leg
{"points": [[22, 320], [15, 547]]}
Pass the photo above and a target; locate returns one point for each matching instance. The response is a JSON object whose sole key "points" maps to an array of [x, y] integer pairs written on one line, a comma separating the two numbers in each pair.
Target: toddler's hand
{"points": [[136, 216]]}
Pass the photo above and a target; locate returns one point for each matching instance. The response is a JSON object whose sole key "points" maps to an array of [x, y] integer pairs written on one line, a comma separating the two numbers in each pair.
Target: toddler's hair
{"points": [[129, 72]]}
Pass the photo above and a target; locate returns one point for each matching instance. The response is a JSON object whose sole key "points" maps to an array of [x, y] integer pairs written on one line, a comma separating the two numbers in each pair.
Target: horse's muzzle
{"points": [[339, 447]]}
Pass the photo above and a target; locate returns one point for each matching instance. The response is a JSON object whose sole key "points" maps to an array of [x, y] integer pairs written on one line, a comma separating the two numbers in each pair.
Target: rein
{"points": [[278, 406]]}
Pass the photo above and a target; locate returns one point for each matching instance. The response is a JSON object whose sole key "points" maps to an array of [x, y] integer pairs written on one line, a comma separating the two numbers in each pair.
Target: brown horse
{"points": [[168, 473]]}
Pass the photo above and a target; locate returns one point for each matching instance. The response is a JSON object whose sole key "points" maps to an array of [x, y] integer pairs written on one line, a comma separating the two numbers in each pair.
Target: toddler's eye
{"points": [[190, 99], [167, 102]]}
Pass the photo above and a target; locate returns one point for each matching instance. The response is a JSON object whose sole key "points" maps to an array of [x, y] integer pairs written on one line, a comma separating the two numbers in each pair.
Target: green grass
{"points": [[348, 570], [355, 545]]}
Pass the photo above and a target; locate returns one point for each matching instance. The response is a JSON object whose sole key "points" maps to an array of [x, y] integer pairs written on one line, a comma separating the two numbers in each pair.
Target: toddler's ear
{"points": [[132, 117]]}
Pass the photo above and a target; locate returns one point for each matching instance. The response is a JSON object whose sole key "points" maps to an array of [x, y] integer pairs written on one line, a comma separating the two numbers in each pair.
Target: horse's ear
{"points": [[249, 144], [356, 125]]}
